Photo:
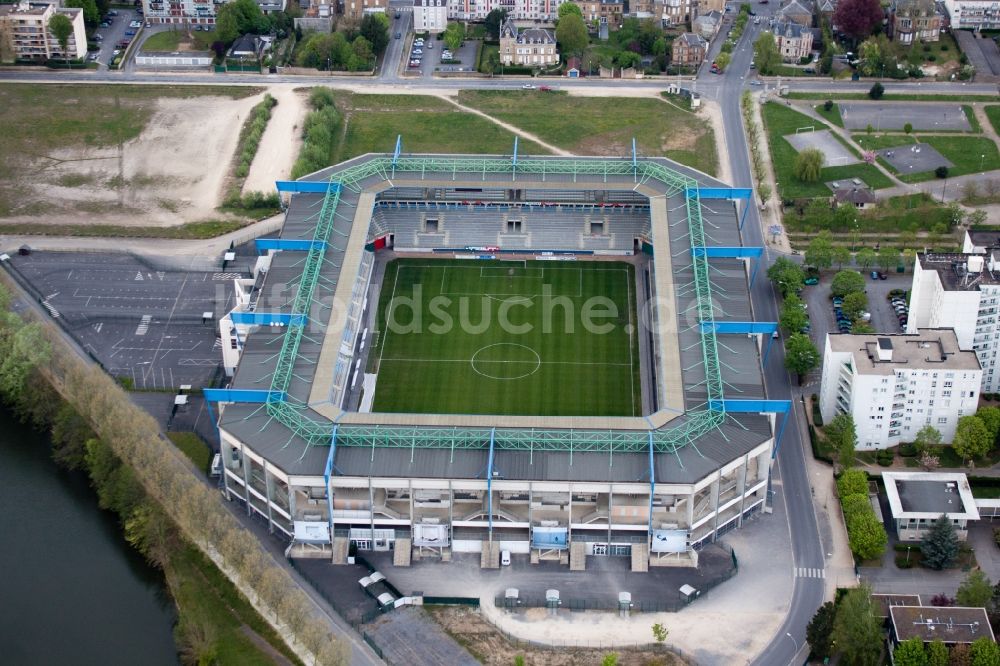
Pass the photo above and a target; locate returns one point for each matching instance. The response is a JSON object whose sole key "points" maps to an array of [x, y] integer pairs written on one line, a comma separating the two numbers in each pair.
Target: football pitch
{"points": [[532, 338]]}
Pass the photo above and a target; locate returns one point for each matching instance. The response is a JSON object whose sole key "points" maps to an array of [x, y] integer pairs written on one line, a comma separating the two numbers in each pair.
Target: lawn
{"points": [[173, 40], [831, 116], [880, 141], [194, 447], [207, 600], [969, 154], [993, 113], [428, 125], [779, 121], [604, 125], [894, 97], [510, 337]]}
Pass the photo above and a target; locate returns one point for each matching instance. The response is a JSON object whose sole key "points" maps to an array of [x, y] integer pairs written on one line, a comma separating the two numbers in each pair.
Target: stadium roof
{"points": [[689, 440]]}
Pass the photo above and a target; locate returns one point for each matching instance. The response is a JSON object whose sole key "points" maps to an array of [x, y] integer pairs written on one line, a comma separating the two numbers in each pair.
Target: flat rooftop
{"points": [[930, 494], [952, 269], [929, 348], [948, 625], [883, 602]]}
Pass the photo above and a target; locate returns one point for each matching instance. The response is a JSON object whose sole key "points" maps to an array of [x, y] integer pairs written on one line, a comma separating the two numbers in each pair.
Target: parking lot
{"points": [[432, 52], [110, 36], [143, 325], [884, 320]]}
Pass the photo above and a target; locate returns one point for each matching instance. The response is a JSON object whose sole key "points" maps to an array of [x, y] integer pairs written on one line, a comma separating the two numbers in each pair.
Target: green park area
{"points": [[604, 125], [781, 121], [968, 154], [179, 40]]}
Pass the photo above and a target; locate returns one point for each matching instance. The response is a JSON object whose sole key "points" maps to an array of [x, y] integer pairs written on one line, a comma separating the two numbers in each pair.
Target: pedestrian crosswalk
{"points": [[226, 276], [809, 572], [143, 326]]}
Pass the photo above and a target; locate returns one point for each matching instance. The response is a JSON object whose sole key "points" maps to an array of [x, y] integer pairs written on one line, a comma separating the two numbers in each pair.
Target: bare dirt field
{"points": [[148, 157], [281, 142], [491, 647]]}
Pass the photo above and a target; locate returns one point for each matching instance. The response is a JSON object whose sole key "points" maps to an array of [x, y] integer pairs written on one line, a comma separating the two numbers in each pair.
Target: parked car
{"points": [[138, 24], [98, 37], [113, 12], [92, 57], [528, 86], [105, 24], [883, 276], [874, 275], [417, 52], [148, 24], [130, 33], [398, 35], [116, 53], [430, 45]]}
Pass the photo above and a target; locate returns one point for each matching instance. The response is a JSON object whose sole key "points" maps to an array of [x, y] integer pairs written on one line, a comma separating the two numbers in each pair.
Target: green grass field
{"points": [[453, 355]]}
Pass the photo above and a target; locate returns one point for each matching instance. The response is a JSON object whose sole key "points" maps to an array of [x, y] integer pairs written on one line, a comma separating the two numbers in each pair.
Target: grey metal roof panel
{"points": [[415, 463], [272, 440]]}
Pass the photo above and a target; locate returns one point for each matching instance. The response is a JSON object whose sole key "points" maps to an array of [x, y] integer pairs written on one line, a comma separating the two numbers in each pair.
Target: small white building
{"points": [[962, 291], [918, 499], [430, 15], [894, 385]]}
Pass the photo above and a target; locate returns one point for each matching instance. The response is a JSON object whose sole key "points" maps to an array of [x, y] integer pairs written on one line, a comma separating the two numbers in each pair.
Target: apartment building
{"points": [[518, 10], [533, 47], [962, 291], [793, 40], [915, 21], [24, 33], [430, 15], [973, 14], [184, 12], [602, 11], [673, 12], [894, 385]]}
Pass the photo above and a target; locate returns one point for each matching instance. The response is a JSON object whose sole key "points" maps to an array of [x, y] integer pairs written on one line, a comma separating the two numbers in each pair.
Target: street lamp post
{"points": [[794, 642], [982, 160]]}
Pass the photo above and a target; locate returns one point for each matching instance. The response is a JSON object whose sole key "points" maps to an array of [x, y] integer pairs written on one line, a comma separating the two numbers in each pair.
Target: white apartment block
{"points": [[430, 15], [962, 292], [24, 33], [193, 12], [518, 10], [973, 14], [894, 385]]}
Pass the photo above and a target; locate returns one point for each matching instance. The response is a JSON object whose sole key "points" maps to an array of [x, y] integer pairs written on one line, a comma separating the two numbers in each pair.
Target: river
{"points": [[72, 591]]}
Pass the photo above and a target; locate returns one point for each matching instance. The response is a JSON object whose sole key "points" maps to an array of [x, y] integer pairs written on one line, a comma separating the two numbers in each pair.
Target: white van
{"points": [[505, 558], [216, 469]]}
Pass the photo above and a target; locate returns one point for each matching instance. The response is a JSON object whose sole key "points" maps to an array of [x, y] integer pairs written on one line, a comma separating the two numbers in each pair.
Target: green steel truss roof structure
{"points": [[303, 422]]}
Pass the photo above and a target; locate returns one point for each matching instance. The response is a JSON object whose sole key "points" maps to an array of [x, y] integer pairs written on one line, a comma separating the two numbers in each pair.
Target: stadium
{"points": [[553, 357]]}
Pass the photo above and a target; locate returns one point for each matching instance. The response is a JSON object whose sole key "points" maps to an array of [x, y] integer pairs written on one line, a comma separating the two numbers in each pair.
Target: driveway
{"points": [[112, 35]]}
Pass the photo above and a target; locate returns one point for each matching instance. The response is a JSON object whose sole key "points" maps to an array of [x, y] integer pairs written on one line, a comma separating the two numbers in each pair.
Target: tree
{"points": [[975, 591], [793, 317], [984, 652], [571, 33], [820, 628], [876, 92], [454, 35], [610, 659], [786, 275], [627, 59], [91, 14], [801, 355], [841, 255], [808, 164], [910, 653], [908, 128], [990, 416], [939, 546], [866, 258], [937, 653], [842, 435], [61, 28], [227, 26], [765, 53], [819, 252], [929, 462], [927, 437], [847, 282], [723, 60], [567, 8], [972, 440], [866, 535], [375, 28], [871, 57], [855, 304], [887, 256], [856, 629], [857, 18], [660, 632], [941, 171], [496, 18], [239, 17]]}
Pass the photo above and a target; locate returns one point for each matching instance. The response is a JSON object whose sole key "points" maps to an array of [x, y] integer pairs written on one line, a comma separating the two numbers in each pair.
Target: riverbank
{"points": [[216, 622]]}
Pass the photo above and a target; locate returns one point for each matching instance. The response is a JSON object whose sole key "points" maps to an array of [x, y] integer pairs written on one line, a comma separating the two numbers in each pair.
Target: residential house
{"points": [[602, 11], [271, 6], [641, 9], [430, 15], [25, 35], [532, 47], [689, 50], [894, 385], [672, 12], [799, 12], [861, 198], [704, 6], [794, 41], [826, 8], [915, 21], [355, 10], [518, 10], [246, 47], [707, 25], [973, 14]]}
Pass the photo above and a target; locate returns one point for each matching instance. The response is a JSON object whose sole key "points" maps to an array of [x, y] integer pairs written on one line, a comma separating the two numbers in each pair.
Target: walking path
{"points": [[280, 144], [555, 150]]}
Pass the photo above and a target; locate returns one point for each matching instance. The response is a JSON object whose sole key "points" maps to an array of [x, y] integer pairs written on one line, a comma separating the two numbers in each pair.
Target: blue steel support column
{"points": [[767, 350], [489, 481], [777, 440], [515, 156], [327, 473], [743, 215], [399, 148], [215, 422], [652, 483], [753, 273]]}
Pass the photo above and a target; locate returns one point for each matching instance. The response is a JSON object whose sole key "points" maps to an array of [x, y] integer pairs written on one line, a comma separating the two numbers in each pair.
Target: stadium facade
{"points": [[301, 455]]}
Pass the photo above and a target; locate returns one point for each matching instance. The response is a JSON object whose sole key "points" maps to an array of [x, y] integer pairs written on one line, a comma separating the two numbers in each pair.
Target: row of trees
{"points": [[822, 253], [801, 355], [32, 357], [319, 133]]}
